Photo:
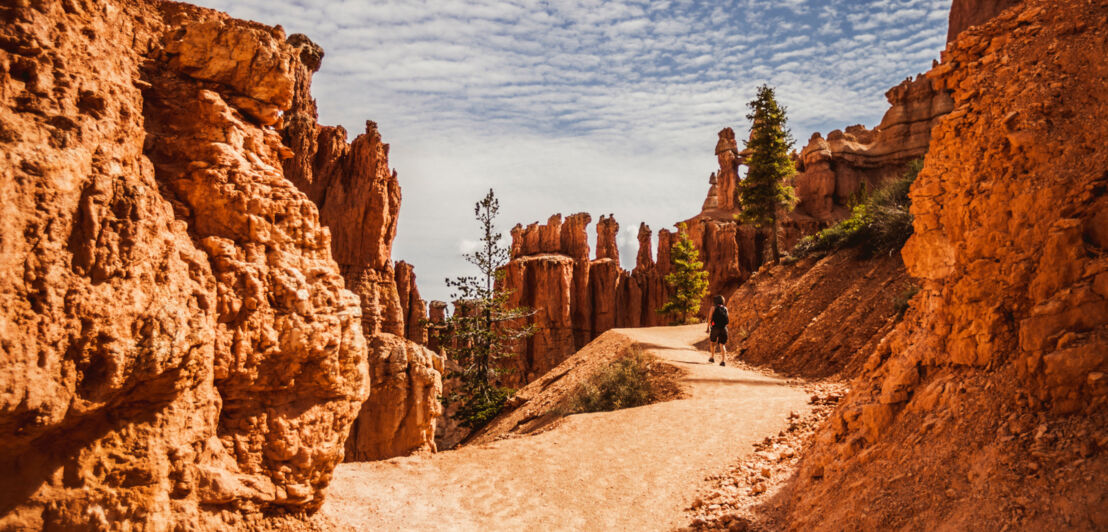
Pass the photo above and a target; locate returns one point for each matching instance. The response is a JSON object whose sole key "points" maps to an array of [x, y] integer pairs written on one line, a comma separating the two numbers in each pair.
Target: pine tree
{"points": [[765, 194], [480, 334], [688, 279]]}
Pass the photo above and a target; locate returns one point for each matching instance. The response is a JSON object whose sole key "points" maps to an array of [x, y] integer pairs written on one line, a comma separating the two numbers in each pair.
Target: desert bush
{"points": [[900, 304], [625, 383]]}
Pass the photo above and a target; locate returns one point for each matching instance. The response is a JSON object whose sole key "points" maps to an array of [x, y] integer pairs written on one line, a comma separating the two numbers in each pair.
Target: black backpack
{"points": [[719, 316]]}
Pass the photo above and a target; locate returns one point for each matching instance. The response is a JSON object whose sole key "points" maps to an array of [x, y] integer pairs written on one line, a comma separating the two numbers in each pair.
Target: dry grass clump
{"points": [[635, 379]]}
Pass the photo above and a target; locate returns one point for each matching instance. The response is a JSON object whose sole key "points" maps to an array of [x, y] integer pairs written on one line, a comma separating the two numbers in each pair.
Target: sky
{"points": [[605, 107]]}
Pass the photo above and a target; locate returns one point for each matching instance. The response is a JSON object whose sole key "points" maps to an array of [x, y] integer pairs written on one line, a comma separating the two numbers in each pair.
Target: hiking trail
{"points": [[631, 469]]}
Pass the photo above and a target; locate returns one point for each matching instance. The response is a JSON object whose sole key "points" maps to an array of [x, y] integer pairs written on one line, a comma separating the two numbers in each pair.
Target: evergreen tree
{"points": [[688, 279], [765, 193], [481, 334]]}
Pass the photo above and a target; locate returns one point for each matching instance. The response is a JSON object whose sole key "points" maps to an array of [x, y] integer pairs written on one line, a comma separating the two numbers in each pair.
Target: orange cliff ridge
{"points": [[179, 335]]}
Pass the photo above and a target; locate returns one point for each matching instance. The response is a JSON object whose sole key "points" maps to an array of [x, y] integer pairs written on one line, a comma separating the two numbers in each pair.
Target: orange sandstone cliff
{"points": [[986, 407], [178, 344], [358, 197]]}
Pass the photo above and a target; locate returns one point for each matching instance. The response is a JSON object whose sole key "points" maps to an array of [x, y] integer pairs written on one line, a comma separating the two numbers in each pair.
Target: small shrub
{"points": [[881, 222], [479, 409], [900, 304], [625, 383]]}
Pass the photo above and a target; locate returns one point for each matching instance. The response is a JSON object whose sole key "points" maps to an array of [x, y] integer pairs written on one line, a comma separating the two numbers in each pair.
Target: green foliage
{"points": [[477, 410], [765, 192], [480, 334], [900, 304], [688, 279], [623, 384], [880, 223]]}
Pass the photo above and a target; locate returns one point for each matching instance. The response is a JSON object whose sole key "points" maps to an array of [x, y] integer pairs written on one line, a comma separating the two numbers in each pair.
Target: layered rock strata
{"points": [[994, 384], [178, 347]]}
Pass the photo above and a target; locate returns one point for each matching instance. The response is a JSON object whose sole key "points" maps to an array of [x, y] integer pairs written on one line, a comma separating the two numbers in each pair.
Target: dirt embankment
{"points": [[818, 317], [541, 403]]}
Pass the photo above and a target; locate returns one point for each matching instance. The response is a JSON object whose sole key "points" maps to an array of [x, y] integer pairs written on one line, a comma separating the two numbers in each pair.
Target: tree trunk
{"points": [[776, 252]]}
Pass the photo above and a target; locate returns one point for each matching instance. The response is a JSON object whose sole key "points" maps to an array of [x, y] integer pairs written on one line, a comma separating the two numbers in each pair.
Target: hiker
{"points": [[717, 331]]}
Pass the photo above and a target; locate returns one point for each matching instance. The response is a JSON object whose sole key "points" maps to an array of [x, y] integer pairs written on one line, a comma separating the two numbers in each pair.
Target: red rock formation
{"points": [[727, 178], [400, 415], [544, 284], [833, 171], [817, 317], [436, 315], [178, 348], [358, 197], [967, 13], [645, 258], [576, 299], [994, 383], [606, 230], [413, 308]]}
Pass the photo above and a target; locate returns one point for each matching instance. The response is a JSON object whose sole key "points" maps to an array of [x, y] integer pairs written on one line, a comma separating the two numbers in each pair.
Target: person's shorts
{"points": [[718, 335]]}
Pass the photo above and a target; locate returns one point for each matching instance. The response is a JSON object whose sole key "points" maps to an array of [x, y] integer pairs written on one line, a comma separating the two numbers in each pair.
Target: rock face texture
{"points": [[994, 383], [966, 13], [400, 415], [413, 308], [358, 198], [178, 348]]}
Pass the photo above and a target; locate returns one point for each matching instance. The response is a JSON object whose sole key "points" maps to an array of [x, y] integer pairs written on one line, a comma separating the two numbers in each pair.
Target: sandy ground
{"points": [[633, 469]]}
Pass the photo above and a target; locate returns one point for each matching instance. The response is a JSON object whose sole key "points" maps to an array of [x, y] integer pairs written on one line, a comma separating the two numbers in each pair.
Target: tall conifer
{"points": [[765, 194], [480, 333]]}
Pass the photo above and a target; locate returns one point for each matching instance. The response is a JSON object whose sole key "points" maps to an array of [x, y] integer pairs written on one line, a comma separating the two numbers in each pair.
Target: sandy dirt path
{"points": [[633, 469]]}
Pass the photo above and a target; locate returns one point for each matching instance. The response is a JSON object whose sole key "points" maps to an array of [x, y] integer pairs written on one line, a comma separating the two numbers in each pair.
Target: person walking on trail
{"points": [[717, 331]]}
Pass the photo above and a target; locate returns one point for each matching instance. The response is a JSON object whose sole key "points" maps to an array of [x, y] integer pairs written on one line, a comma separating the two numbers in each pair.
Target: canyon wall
{"points": [[178, 347], [833, 171], [818, 317], [358, 197], [993, 386]]}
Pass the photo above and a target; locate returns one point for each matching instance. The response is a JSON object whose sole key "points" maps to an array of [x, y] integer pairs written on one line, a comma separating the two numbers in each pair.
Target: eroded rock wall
{"points": [[818, 317], [358, 197], [967, 13], [178, 348], [413, 308], [574, 298], [400, 416], [994, 384]]}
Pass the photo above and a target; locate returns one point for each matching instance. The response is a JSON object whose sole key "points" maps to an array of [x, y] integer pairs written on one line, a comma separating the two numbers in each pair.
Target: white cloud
{"points": [[586, 105]]}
